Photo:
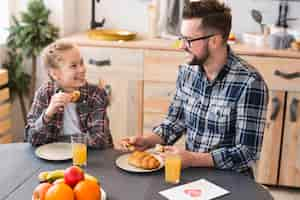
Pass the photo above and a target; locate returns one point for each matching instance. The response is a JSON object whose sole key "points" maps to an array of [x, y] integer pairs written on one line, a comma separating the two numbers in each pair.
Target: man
{"points": [[220, 101]]}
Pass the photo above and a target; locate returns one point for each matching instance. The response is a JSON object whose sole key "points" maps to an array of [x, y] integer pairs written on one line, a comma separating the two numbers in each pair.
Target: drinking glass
{"points": [[79, 149], [172, 168]]}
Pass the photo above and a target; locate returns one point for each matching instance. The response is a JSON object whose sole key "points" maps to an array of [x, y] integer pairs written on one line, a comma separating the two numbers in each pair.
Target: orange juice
{"points": [[172, 168], [79, 154]]}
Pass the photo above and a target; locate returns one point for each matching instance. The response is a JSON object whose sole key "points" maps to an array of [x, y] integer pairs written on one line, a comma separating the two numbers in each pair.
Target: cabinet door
{"points": [[5, 109], [290, 158], [279, 73], [120, 71], [162, 66], [160, 74], [267, 166]]}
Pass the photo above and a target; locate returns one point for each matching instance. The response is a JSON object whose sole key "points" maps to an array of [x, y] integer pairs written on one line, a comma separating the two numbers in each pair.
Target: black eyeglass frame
{"points": [[189, 41]]}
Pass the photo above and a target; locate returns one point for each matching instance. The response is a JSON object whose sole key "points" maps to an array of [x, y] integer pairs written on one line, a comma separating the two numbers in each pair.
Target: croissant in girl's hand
{"points": [[75, 95], [144, 160]]}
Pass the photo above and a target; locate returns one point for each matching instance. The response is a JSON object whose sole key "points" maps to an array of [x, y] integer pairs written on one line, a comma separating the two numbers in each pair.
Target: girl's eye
{"points": [[73, 66]]}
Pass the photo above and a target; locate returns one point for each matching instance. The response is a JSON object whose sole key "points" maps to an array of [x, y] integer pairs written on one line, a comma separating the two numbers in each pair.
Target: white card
{"points": [[197, 190]]}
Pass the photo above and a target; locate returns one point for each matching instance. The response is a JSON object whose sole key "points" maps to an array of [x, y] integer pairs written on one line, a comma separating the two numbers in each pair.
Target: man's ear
{"points": [[216, 41]]}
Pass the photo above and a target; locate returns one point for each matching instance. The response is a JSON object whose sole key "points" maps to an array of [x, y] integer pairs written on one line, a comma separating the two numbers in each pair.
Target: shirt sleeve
{"points": [[173, 126], [98, 122], [38, 132], [251, 117]]}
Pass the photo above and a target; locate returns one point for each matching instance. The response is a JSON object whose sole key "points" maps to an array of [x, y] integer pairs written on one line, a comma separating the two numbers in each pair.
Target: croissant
{"points": [[75, 96], [143, 160]]}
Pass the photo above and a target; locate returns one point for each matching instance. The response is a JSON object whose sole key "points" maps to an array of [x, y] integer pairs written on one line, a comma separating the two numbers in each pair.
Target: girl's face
{"points": [[71, 74]]}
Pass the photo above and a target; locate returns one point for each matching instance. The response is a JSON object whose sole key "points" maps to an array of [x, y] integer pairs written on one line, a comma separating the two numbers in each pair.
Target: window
{"points": [[4, 20]]}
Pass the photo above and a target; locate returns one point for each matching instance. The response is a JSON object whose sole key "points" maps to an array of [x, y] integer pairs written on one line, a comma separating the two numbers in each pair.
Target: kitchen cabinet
{"points": [[5, 108], [120, 71], [280, 157]]}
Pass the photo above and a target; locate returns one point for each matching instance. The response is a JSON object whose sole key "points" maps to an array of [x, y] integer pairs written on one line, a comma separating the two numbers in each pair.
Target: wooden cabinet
{"points": [[280, 157], [289, 174], [120, 70], [5, 108]]}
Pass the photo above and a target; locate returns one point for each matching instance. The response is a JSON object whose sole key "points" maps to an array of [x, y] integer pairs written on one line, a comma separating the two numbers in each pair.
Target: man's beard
{"points": [[196, 60]]}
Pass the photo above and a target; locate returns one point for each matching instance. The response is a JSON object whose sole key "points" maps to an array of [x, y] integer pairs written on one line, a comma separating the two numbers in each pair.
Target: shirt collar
{"points": [[225, 69]]}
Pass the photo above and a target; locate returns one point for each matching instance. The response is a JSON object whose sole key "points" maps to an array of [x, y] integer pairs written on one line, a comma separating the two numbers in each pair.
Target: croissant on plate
{"points": [[144, 160]]}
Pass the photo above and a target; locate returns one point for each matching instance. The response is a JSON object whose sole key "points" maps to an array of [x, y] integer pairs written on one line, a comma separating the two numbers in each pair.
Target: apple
{"points": [[73, 175]]}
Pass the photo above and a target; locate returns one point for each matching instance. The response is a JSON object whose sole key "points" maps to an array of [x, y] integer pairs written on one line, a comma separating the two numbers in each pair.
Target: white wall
{"points": [[132, 14], [126, 14]]}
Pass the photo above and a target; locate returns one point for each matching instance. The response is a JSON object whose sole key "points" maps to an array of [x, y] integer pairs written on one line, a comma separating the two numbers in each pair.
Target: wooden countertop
{"points": [[142, 42]]}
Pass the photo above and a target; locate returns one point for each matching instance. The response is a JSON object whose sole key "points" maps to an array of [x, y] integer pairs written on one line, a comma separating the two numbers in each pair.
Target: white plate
{"points": [[122, 162], [103, 195], [55, 151]]}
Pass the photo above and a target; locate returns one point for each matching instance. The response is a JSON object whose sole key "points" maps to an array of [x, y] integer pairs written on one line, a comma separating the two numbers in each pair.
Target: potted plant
{"points": [[30, 34], [18, 81]]}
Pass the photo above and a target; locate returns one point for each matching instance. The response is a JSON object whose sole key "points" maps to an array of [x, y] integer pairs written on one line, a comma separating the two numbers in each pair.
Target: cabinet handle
{"points": [[287, 75], [293, 110], [275, 108], [100, 63]]}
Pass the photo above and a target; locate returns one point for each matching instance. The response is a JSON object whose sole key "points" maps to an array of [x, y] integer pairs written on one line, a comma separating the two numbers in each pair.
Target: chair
{"points": [[5, 109]]}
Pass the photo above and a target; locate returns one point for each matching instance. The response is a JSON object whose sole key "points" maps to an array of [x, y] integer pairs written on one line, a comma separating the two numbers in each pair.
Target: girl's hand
{"points": [[57, 103]]}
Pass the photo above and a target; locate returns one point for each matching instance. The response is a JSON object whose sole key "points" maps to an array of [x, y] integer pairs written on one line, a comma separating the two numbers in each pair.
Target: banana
{"points": [[54, 175], [43, 176], [91, 178]]}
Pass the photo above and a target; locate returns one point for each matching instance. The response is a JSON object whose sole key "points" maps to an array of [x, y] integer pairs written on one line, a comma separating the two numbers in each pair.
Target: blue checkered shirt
{"points": [[225, 117]]}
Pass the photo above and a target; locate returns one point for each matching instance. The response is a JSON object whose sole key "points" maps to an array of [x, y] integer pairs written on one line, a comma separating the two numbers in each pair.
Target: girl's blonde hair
{"points": [[52, 54]]}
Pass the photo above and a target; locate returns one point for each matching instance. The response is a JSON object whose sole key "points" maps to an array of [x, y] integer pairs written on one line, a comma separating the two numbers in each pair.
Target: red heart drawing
{"points": [[193, 192]]}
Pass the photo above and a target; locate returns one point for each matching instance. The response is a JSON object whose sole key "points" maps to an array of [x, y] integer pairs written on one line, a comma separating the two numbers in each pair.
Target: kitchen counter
{"points": [[142, 42]]}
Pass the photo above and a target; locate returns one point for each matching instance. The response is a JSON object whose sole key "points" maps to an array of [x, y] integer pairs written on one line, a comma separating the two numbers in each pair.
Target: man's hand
{"points": [[190, 159], [186, 156], [133, 143], [140, 143]]}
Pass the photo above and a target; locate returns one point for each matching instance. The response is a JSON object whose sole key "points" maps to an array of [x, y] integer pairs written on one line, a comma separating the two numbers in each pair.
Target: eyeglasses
{"points": [[188, 42]]}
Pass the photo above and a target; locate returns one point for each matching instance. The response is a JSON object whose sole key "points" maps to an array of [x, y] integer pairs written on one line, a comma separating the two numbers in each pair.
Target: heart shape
{"points": [[193, 192]]}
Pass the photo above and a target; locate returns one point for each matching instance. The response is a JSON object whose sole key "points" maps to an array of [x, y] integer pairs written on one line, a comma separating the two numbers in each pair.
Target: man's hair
{"points": [[215, 16], [52, 54]]}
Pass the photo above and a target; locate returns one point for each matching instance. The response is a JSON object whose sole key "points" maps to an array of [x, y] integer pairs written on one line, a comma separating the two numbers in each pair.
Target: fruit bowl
{"points": [[68, 184], [103, 195]]}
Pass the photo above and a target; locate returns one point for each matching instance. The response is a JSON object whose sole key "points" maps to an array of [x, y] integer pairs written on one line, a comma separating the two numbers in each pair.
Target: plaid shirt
{"points": [[91, 110], [225, 117]]}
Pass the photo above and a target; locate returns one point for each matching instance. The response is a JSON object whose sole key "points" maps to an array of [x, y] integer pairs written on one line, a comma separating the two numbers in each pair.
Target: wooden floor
{"points": [[282, 193]]}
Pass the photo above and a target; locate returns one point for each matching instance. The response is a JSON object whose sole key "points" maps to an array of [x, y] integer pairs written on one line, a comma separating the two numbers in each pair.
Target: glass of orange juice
{"points": [[79, 149], [172, 168]]}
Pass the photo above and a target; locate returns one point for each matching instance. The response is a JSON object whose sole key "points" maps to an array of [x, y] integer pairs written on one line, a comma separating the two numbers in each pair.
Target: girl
{"points": [[55, 114]]}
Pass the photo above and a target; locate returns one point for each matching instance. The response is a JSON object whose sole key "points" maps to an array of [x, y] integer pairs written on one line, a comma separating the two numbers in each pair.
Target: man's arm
{"points": [[251, 116]]}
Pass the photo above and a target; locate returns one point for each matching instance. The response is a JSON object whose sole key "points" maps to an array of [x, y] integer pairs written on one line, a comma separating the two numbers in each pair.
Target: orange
{"points": [[39, 192], [60, 191], [87, 190]]}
